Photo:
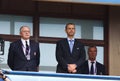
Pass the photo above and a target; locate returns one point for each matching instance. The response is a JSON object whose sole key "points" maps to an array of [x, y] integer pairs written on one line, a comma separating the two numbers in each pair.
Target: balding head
{"points": [[25, 32]]}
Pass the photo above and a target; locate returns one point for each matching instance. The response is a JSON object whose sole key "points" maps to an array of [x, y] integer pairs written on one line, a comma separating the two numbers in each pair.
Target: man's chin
{"points": [[71, 35], [26, 38]]}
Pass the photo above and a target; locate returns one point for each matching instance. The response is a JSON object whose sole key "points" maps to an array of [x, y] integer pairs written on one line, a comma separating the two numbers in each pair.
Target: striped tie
{"points": [[27, 48]]}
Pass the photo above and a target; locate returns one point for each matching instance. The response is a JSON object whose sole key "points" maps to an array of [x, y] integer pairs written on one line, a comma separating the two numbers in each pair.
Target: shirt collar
{"points": [[70, 39], [91, 61], [23, 42]]}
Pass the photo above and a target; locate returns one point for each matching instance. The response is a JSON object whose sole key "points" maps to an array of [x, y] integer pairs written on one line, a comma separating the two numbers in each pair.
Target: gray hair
{"points": [[23, 27]]}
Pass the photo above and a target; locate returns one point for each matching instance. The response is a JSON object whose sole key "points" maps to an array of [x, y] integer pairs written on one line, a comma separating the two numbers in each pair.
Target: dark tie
{"points": [[71, 45], [92, 68], [27, 48]]}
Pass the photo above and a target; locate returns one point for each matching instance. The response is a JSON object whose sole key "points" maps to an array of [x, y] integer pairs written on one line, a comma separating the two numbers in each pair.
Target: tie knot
{"points": [[92, 62], [71, 40], [26, 42]]}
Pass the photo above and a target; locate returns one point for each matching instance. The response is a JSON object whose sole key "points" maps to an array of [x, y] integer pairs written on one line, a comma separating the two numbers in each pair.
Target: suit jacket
{"points": [[17, 59], [64, 56], [84, 69]]}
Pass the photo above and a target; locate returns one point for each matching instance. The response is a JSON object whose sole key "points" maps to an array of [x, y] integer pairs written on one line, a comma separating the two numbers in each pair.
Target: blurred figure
{"points": [[24, 54], [70, 53], [91, 66], [3, 77]]}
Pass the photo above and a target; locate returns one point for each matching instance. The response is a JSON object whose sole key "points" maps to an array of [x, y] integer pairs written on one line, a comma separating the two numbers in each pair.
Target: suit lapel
{"points": [[21, 50], [87, 67], [31, 49], [67, 47], [98, 68]]}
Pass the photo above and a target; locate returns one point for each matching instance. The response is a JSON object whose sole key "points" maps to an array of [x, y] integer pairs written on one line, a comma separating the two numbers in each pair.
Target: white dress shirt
{"points": [[24, 48], [71, 39]]}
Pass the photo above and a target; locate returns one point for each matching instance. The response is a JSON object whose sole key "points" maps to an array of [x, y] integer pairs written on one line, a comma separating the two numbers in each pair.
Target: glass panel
{"points": [[91, 29], [47, 57], [22, 21], [5, 27], [54, 27], [4, 24], [100, 55], [98, 33], [5, 56], [85, 29], [10, 24]]}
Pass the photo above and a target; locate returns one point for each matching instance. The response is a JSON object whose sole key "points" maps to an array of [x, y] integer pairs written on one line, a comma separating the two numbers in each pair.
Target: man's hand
{"points": [[5, 78], [72, 68]]}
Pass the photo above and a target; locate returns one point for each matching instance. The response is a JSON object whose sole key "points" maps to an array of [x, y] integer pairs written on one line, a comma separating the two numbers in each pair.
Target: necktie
{"points": [[27, 48], [92, 68], [71, 45]]}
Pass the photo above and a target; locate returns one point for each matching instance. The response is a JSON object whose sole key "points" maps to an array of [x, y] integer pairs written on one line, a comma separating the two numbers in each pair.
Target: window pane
{"points": [[54, 27], [5, 56], [91, 29], [100, 55], [98, 33], [85, 29], [10, 24], [4, 24], [5, 27], [47, 52], [22, 21]]}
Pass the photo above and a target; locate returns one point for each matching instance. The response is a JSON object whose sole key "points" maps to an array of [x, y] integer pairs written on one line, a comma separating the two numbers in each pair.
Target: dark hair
{"points": [[92, 46], [69, 24]]}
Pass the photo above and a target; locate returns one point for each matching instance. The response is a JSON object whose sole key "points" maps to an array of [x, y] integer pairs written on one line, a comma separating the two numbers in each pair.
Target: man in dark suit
{"points": [[70, 53], [24, 54], [91, 66]]}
